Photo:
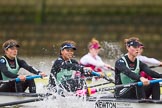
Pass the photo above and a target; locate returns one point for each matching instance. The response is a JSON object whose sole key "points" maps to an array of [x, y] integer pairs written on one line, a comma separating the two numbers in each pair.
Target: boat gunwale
{"points": [[112, 99], [22, 94]]}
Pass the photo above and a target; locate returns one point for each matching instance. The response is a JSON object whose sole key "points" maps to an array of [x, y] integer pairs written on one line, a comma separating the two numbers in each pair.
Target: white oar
{"points": [[95, 90], [18, 79]]}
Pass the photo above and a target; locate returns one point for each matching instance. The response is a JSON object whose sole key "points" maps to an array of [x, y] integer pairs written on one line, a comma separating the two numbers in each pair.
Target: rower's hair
{"points": [[9, 42], [93, 41], [68, 42], [131, 39]]}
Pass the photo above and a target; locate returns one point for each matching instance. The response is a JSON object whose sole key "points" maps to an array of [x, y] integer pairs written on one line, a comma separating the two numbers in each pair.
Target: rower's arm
{"points": [[150, 72], [61, 64], [120, 66], [90, 60], [73, 66], [24, 65], [148, 60]]}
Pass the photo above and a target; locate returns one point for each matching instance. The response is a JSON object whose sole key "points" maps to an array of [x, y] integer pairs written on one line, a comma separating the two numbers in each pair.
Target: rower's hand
{"points": [[87, 71], [22, 77], [160, 64], [102, 75], [145, 81], [109, 67], [42, 74]]}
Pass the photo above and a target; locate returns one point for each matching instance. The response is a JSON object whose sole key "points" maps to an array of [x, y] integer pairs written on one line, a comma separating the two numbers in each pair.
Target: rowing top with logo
{"points": [[9, 68], [127, 71], [63, 70]]}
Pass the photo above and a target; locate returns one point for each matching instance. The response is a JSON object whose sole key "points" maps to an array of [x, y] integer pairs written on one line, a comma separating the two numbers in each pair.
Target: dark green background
{"points": [[40, 25]]}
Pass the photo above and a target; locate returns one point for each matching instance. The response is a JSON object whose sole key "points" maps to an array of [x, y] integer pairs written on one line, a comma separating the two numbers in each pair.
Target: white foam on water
{"points": [[110, 50], [57, 101], [66, 102]]}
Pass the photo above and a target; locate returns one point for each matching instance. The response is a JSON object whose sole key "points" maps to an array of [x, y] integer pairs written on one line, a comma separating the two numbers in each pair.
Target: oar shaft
{"points": [[20, 102], [94, 90], [99, 84], [108, 79], [129, 85], [18, 79], [155, 66]]}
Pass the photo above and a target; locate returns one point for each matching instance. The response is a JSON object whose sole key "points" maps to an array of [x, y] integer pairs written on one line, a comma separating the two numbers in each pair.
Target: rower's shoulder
{"points": [[2, 60], [120, 60]]}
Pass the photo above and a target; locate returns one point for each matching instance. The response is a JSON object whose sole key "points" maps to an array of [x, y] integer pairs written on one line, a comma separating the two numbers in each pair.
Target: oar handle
{"points": [[95, 73], [151, 82], [29, 78]]}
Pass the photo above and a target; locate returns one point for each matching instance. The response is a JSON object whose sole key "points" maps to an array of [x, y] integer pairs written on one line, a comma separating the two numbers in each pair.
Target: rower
{"points": [[93, 60], [10, 65], [127, 70], [64, 68]]}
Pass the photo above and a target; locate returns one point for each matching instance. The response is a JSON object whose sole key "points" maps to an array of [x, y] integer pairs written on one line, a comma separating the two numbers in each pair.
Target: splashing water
{"points": [[65, 102], [55, 101], [69, 101], [110, 50]]}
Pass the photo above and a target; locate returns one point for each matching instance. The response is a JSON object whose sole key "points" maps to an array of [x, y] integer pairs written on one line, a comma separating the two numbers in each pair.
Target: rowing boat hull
{"points": [[99, 102], [18, 98], [21, 98], [126, 103]]}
